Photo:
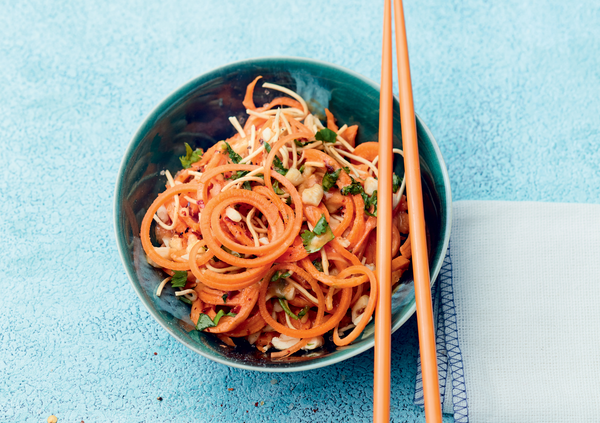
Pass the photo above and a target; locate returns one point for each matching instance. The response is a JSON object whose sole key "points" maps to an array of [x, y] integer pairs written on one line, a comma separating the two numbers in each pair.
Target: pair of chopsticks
{"points": [[382, 370]]}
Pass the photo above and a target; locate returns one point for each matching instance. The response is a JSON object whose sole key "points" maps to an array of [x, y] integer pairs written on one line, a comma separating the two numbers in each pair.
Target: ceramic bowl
{"points": [[197, 113]]}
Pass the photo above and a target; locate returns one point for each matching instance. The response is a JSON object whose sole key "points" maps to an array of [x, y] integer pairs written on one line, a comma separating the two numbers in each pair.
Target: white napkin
{"points": [[519, 313]]}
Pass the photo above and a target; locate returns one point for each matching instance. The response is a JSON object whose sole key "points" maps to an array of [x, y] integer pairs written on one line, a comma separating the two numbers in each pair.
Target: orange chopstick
{"points": [[382, 368], [416, 220], [383, 260]]}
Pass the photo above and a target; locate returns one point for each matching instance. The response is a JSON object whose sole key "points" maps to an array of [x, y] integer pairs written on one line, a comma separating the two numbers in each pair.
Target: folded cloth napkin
{"points": [[518, 314]]}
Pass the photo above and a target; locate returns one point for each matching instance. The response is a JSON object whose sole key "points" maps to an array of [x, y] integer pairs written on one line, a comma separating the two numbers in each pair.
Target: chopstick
{"points": [[416, 216], [383, 260]]}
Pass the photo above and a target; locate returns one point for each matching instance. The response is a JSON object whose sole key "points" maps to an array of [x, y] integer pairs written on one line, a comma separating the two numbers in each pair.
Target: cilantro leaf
{"points": [[330, 179], [346, 169], [204, 321], [315, 240], [179, 279], [354, 188], [225, 298], [321, 226], [318, 265], [286, 308], [235, 157], [371, 201], [326, 135], [307, 236], [246, 185], [277, 164], [278, 275], [396, 182], [191, 156]]}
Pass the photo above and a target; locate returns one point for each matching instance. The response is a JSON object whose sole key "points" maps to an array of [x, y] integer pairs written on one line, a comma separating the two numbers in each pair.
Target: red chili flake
{"points": [[155, 353], [329, 168], [315, 410], [230, 389], [256, 404], [236, 309], [200, 204]]}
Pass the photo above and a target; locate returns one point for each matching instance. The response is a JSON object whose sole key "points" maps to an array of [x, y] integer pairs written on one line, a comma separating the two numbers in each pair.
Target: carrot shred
{"points": [[242, 243]]}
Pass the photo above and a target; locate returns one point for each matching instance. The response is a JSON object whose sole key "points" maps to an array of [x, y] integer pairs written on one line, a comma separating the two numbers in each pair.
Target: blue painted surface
{"points": [[509, 89]]}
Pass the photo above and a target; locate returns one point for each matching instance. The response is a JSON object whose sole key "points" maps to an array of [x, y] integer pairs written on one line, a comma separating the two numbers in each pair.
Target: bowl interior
{"points": [[198, 113]]}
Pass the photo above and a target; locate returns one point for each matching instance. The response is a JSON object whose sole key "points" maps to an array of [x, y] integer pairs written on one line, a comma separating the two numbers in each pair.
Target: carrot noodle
{"points": [[234, 223]]}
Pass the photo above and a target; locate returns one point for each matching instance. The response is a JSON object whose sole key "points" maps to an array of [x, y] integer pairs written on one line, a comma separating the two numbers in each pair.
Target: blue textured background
{"points": [[510, 90]]}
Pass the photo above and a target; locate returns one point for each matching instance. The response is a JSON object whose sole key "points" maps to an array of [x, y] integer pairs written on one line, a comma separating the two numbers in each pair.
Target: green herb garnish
{"points": [[276, 188], [286, 308], [204, 321], [330, 179], [354, 188], [278, 275], [396, 182], [326, 135], [225, 298], [179, 279], [185, 300], [303, 312], [235, 157], [321, 235], [321, 226], [191, 156], [277, 164], [370, 201], [318, 265]]}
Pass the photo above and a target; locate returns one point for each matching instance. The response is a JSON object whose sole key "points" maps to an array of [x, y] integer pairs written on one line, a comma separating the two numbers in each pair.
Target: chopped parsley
{"points": [[191, 156], [318, 265], [354, 188], [321, 226], [225, 298], [286, 308], [277, 164], [278, 275], [396, 182], [326, 135], [235, 157], [330, 179], [179, 279], [370, 201], [204, 321], [321, 235]]}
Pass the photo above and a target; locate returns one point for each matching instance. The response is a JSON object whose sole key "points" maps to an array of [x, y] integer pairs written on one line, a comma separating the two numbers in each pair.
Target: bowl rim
{"points": [[169, 101]]}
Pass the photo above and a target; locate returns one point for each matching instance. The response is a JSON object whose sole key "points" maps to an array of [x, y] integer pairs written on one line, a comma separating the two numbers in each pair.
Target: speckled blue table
{"points": [[510, 90]]}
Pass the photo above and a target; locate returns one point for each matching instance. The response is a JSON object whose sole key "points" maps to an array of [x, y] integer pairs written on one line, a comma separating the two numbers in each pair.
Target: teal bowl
{"points": [[197, 113]]}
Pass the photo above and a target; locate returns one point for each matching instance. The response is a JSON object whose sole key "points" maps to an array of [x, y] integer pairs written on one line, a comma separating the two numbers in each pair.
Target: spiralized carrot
{"points": [[368, 310], [238, 222]]}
